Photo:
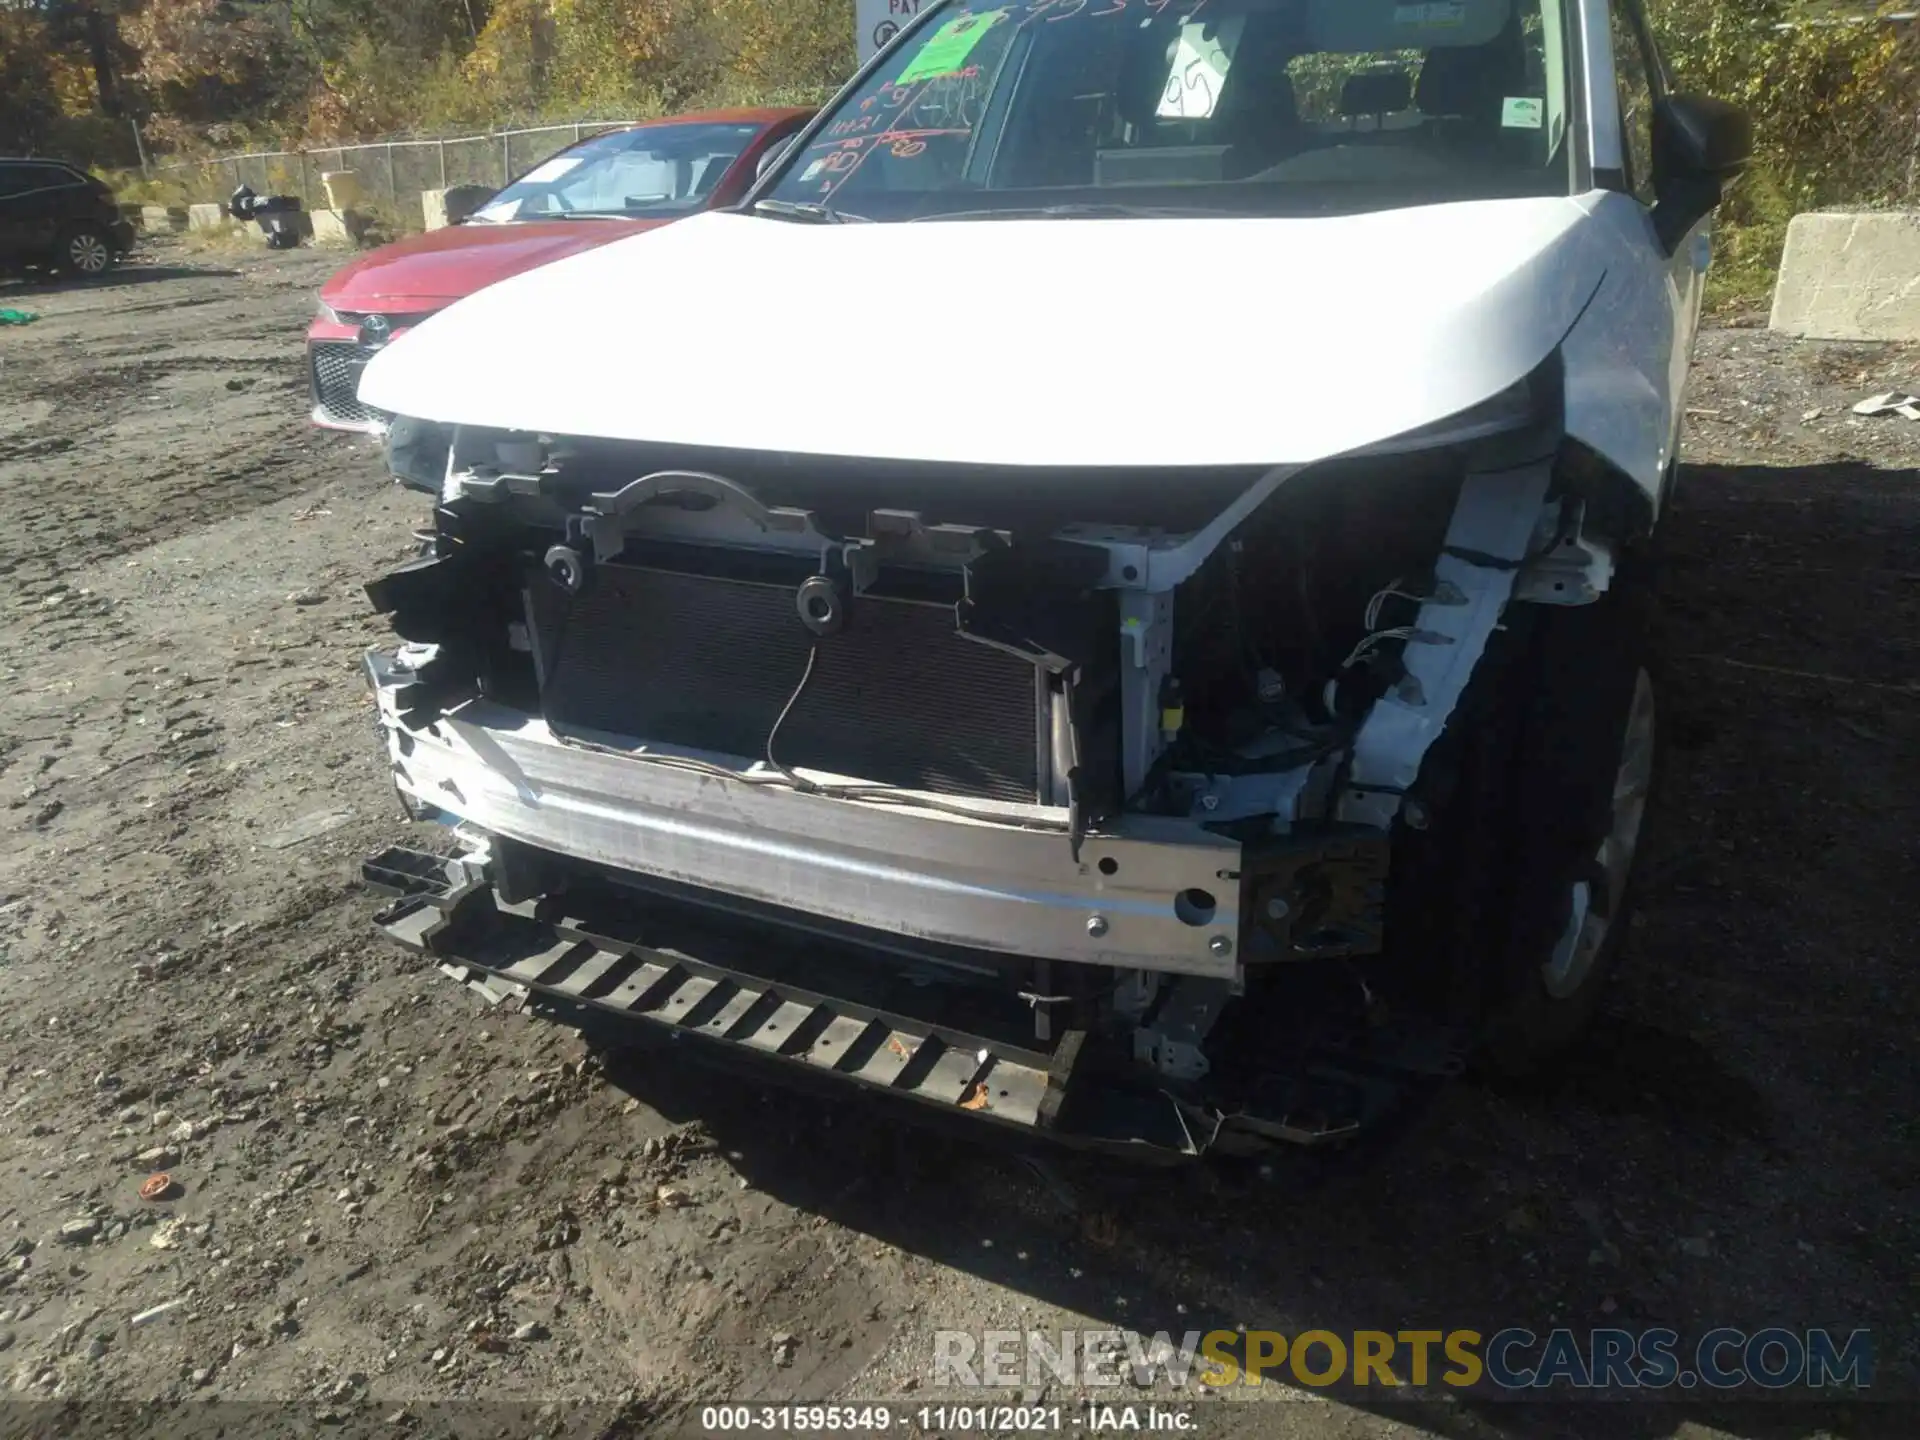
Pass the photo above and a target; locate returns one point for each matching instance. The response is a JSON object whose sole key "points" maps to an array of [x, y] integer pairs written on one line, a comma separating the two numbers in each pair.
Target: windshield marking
{"points": [[946, 53], [846, 155], [1200, 67], [1227, 106]]}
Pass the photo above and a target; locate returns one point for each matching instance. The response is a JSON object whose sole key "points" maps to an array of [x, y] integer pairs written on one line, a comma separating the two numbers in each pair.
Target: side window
{"points": [[1633, 71], [42, 179], [13, 180]]}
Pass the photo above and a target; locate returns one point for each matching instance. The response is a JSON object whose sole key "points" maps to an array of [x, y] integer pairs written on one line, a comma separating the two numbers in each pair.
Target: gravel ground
{"points": [[392, 1198]]}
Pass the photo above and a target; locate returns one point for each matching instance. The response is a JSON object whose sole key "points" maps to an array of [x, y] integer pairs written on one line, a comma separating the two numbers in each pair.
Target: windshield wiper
{"points": [[1107, 210], [806, 212]]}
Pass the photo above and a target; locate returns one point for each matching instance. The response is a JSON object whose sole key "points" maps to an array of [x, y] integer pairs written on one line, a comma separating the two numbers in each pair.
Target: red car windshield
{"points": [[659, 170]]}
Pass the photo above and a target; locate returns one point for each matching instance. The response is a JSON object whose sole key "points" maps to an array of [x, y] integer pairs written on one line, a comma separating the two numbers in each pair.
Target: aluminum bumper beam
{"points": [[1154, 894]]}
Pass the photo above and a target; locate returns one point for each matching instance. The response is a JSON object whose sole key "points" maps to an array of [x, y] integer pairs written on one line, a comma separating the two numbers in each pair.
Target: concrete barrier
{"points": [[163, 219], [208, 217], [441, 208], [338, 227], [1850, 277]]}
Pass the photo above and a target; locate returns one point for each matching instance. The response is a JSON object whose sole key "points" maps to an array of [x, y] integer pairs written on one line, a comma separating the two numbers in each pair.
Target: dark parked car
{"points": [[54, 214]]}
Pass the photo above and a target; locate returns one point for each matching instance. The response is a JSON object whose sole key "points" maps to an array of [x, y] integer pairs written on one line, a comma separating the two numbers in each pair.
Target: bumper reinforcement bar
{"points": [[448, 909]]}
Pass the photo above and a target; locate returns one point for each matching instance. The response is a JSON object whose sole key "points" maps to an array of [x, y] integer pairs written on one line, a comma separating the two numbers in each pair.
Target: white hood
{"points": [[1185, 342]]}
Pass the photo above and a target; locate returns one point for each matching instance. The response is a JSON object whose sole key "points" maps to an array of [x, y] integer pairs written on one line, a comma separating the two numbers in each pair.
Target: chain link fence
{"points": [[390, 172]]}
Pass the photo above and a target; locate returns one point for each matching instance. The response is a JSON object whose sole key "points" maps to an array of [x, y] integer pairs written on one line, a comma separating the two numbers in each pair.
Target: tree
{"points": [[28, 105], [92, 28], [796, 44], [206, 62]]}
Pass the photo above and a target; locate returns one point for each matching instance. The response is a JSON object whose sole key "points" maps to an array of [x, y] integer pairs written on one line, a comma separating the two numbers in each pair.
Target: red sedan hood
{"points": [[442, 266]]}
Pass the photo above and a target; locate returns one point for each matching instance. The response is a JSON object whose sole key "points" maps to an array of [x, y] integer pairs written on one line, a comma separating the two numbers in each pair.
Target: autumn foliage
{"points": [[1837, 101], [208, 74], [1834, 90]]}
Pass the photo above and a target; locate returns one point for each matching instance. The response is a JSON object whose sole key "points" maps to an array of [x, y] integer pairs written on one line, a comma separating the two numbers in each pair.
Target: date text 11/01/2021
{"points": [[1094, 1418]]}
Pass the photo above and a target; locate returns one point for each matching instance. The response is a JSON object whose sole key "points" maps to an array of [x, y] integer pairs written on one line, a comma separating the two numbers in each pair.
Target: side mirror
{"points": [[775, 153], [1699, 143], [463, 202]]}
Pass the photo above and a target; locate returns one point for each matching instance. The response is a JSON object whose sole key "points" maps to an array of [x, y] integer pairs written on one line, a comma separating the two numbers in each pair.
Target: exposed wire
{"points": [[1180, 1115], [881, 794], [1442, 593], [670, 762], [912, 801], [1377, 638], [1392, 591], [805, 787]]}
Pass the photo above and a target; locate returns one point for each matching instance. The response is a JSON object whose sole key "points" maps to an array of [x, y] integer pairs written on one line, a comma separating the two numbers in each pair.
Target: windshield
{"points": [[658, 170], [1250, 106]]}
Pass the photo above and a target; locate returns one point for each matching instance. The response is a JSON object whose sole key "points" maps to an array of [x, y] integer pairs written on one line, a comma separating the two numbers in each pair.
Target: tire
{"points": [[1551, 807], [85, 250]]}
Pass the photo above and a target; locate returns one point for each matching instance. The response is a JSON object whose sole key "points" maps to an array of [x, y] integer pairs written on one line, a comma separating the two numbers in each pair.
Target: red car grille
{"points": [[336, 382]]}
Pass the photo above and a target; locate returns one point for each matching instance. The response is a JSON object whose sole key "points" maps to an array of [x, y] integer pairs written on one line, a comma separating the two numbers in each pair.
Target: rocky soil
{"points": [[396, 1204]]}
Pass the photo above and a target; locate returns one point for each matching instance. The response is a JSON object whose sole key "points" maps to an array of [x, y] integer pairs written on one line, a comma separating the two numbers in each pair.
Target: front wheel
{"points": [[85, 250], [1539, 821], [1570, 915]]}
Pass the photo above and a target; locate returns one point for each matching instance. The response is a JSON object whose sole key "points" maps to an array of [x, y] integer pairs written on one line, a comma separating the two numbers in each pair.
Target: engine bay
{"points": [[994, 647], [1109, 749]]}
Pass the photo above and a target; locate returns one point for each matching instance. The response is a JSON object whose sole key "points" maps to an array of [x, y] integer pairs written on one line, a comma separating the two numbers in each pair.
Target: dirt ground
{"points": [[394, 1198]]}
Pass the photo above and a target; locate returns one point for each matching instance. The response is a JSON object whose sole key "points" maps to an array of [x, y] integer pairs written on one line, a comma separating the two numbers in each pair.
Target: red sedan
{"points": [[598, 191]]}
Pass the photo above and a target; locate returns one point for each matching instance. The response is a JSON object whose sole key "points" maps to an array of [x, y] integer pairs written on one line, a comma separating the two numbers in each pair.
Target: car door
{"points": [[46, 202], [13, 210]]}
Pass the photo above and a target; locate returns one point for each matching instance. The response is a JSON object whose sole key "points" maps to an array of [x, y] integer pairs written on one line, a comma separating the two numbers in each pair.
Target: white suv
{"points": [[1163, 663]]}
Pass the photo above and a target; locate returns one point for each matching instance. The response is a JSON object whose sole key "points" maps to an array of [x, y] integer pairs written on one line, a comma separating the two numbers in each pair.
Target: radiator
{"points": [[898, 697]]}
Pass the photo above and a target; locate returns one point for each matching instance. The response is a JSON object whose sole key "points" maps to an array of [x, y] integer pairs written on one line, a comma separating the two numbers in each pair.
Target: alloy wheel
{"points": [[88, 254], [1595, 900]]}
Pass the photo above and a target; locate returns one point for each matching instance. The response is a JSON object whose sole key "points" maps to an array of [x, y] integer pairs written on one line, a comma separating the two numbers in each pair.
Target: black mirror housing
{"points": [[1698, 135], [1699, 144]]}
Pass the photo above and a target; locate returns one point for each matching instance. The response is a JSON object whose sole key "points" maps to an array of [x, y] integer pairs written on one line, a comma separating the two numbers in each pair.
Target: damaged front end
{"points": [[1090, 803]]}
